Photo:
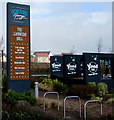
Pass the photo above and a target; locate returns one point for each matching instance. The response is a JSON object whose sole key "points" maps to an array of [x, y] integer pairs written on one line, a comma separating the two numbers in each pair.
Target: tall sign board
{"points": [[18, 47]]}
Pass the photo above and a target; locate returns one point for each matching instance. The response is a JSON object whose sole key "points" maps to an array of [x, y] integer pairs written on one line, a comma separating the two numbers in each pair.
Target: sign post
{"points": [[18, 47]]}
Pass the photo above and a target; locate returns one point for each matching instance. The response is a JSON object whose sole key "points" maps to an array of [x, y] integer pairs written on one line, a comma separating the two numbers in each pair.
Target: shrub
{"points": [[92, 84], [83, 91], [108, 96], [36, 79], [21, 115], [58, 86], [52, 85], [47, 81], [102, 89], [12, 98], [110, 101], [93, 97]]}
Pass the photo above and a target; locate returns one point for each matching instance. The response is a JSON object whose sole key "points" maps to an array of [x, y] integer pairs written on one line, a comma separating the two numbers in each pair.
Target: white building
{"points": [[42, 56]]}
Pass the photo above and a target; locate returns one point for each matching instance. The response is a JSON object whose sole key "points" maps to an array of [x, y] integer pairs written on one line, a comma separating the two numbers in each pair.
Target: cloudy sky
{"points": [[65, 26]]}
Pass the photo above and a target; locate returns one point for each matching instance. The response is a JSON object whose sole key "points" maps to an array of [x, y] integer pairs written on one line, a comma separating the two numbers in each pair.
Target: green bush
{"points": [[21, 115], [12, 98], [93, 97], [58, 86], [108, 96], [54, 84], [92, 84], [102, 89]]}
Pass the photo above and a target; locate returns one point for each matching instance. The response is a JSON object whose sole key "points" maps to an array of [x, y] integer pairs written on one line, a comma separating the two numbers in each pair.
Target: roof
{"points": [[42, 53]]}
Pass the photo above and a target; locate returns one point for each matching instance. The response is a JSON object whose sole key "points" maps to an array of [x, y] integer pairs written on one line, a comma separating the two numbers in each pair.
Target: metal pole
{"points": [[2, 63], [36, 90]]}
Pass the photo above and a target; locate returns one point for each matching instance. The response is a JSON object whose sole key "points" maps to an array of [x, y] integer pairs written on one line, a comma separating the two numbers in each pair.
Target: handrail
{"points": [[68, 97], [44, 96]]}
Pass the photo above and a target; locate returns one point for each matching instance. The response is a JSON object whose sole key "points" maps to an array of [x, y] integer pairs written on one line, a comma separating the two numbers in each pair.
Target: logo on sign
{"points": [[19, 14], [92, 68], [71, 68], [56, 67]]}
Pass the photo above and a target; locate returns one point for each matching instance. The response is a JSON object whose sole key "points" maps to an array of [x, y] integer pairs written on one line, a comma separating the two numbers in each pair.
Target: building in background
{"points": [[42, 56]]}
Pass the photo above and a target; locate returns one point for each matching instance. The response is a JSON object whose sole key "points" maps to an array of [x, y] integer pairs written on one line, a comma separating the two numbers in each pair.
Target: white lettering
{"points": [[19, 62], [19, 73], [19, 34]]}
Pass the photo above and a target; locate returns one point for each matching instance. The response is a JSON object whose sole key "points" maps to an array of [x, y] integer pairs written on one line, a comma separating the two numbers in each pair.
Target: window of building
{"points": [[106, 68]]}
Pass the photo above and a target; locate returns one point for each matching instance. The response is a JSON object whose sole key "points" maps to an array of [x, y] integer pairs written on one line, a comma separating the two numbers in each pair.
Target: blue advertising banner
{"points": [[18, 47], [92, 67], [57, 66]]}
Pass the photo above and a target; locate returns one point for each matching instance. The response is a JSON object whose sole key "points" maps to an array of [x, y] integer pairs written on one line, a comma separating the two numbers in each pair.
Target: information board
{"points": [[19, 52], [18, 47]]}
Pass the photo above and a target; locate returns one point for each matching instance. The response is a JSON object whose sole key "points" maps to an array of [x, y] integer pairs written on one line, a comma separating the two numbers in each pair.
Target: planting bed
{"points": [[72, 109]]}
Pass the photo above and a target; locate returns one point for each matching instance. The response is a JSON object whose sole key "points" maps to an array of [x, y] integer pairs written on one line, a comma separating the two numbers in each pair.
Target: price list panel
{"points": [[19, 52]]}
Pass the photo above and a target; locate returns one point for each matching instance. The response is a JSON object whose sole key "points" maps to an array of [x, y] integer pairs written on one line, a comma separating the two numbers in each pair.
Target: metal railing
{"points": [[91, 101], [68, 97], [44, 96]]}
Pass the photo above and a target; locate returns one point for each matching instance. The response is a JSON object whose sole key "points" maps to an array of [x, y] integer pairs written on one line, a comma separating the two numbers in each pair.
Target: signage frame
{"points": [[20, 85]]}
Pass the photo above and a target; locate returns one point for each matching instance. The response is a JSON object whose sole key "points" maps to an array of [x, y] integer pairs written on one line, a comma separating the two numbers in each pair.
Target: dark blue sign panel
{"points": [[57, 66], [92, 67], [18, 47], [18, 14], [70, 65]]}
